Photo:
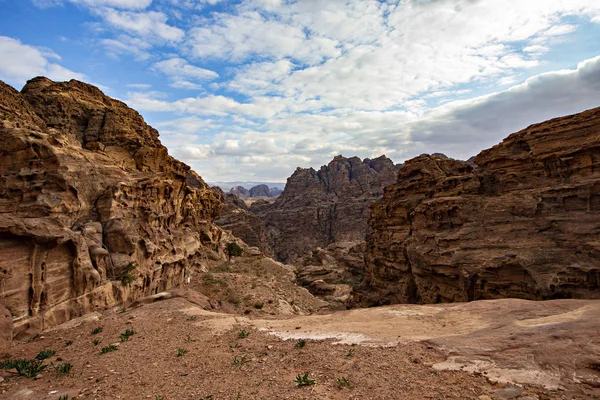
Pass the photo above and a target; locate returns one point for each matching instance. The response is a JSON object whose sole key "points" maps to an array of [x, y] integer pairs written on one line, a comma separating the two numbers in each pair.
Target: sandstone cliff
{"points": [[93, 211], [237, 218], [321, 207], [522, 220]]}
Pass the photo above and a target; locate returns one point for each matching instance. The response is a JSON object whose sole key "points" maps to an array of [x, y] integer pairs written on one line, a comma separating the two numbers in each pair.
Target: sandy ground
{"points": [[454, 351]]}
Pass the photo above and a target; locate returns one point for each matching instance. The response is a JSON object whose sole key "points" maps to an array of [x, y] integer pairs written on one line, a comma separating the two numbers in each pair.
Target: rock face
{"points": [[260, 191], [321, 207], [93, 211], [523, 222], [236, 217], [239, 191]]}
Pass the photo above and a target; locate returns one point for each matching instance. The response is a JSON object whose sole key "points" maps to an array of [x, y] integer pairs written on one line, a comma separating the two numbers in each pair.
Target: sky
{"points": [[252, 89]]}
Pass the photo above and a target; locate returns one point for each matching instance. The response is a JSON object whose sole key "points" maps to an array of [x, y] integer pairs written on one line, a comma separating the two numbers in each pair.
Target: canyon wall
{"points": [[93, 210], [321, 207], [522, 221]]}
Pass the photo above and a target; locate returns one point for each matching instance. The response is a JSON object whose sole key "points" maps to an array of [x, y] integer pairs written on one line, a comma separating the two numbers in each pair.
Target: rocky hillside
{"points": [[93, 211], [237, 218], [522, 220], [325, 206]]}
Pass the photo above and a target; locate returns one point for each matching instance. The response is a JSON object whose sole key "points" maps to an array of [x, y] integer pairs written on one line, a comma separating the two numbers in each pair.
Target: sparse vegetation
{"points": [[233, 250], [259, 305], [300, 344], [42, 355], [97, 330], [304, 380], [343, 382], [243, 334], [63, 368], [25, 367], [238, 362], [69, 342], [192, 318], [181, 352], [350, 353], [160, 398], [96, 342], [127, 277], [122, 310], [125, 335], [108, 349], [66, 397]]}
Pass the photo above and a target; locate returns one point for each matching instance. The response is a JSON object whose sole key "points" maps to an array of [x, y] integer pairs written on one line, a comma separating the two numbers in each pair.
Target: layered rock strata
{"points": [[93, 210], [520, 220], [326, 206]]}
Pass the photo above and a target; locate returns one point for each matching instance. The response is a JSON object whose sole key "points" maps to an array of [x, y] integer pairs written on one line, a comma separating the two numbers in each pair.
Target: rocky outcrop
{"points": [[93, 210], [275, 191], [239, 191], [321, 207], [331, 273], [236, 217], [521, 220], [260, 191]]}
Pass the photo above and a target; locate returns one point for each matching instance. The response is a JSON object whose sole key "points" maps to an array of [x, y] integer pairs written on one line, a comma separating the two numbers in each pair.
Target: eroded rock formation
{"points": [[237, 218], [260, 191], [93, 210], [321, 207], [522, 220]]}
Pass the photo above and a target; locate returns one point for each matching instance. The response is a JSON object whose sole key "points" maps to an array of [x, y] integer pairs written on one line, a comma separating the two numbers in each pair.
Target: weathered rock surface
{"points": [[260, 191], [523, 222], [6, 329], [239, 191], [321, 207], [236, 217], [93, 210]]}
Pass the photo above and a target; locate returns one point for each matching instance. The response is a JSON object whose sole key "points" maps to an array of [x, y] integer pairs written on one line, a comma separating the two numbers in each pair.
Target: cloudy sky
{"points": [[252, 89]]}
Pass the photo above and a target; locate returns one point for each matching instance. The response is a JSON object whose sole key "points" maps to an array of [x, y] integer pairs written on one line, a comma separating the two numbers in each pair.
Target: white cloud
{"points": [[127, 45], [20, 62], [123, 4], [150, 25], [182, 74], [141, 86]]}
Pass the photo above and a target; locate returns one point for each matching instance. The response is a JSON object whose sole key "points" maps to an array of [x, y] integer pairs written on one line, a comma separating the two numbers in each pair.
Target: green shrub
{"points": [[96, 342], [42, 355], [343, 382], [108, 349], [304, 380], [300, 344], [243, 334], [63, 368], [233, 250], [97, 330], [125, 335], [181, 352], [28, 368], [238, 362]]}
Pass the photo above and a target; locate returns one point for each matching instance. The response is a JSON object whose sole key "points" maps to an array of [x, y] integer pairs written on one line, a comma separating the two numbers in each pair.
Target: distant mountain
{"points": [[226, 186]]}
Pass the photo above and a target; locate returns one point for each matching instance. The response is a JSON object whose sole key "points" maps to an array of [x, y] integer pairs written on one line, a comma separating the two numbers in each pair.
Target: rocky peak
{"points": [[260, 191], [320, 207], [239, 191]]}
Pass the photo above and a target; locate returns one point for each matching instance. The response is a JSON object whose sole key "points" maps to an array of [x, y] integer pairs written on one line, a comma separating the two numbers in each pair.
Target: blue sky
{"points": [[252, 89]]}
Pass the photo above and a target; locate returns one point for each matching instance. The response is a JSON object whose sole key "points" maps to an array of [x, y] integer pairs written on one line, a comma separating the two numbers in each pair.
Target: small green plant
{"points": [[108, 349], [343, 382], [127, 277], [42, 355], [259, 305], [304, 380], [66, 397], [192, 318], [350, 353], [97, 330], [189, 339], [243, 334], [28, 368], [69, 342], [122, 310], [300, 344], [96, 342], [233, 250], [238, 362], [125, 335], [7, 364], [181, 352], [63, 368]]}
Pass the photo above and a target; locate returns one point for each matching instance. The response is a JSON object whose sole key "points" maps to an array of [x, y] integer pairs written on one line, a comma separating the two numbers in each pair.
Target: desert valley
{"points": [[123, 275]]}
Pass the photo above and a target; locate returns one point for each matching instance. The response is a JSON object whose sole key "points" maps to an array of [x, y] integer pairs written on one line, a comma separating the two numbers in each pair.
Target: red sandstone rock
{"points": [[524, 222], [93, 210]]}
